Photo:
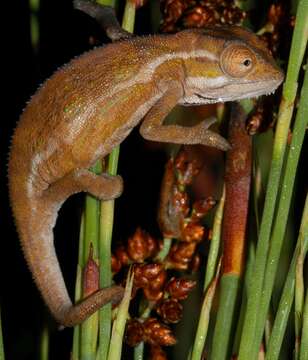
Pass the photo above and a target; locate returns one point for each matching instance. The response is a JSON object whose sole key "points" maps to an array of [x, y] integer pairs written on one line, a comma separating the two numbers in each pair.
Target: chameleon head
{"points": [[229, 63]]}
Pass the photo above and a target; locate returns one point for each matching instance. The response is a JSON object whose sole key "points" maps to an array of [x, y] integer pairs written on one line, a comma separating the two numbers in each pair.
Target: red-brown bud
{"points": [[157, 333], [134, 332], [170, 310], [138, 246], [144, 273], [181, 254], [157, 353], [90, 275], [121, 255], [116, 264], [179, 288], [193, 232]]}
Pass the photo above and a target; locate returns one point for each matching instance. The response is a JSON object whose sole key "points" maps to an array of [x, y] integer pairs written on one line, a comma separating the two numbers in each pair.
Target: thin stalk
{"points": [[119, 323], [106, 226], [301, 122], [247, 277], [111, 3], [204, 318], [287, 296], [138, 351], [89, 328], [165, 250], [2, 357], [237, 182], [34, 24], [44, 343], [304, 341], [249, 344], [303, 234], [215, 243], [282, 315], [78, 293], [299, 280]]}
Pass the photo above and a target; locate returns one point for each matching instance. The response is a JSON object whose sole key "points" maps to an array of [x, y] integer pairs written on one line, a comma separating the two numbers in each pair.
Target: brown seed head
{"points": [[157, 353], [180, 255], [198, 16], [192, 232], [170, 310], [202, 207], [157, 333], [179, 288], [134, 332], [116, 264], [141, 246]]}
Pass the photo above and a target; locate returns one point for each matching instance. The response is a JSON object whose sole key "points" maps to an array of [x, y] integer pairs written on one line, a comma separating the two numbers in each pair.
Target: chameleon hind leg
{"points": [[103, 187]]}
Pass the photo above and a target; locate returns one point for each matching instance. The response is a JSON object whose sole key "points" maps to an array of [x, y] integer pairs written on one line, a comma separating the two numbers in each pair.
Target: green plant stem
{"points": [[250, 339], [89, 328], [303, 235], [286, 300], [118, 328], [138, 351], [299, 280], [229, 287], [78, 293], [1, 341], [204, 318], [44, 342], [215, 243], [282, 315], [304, 341], [300, 125], [165, 250], [106, 225]]}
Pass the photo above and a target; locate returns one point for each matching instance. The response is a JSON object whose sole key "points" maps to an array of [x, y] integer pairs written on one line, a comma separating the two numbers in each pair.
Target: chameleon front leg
{"points": [[103, 187], [106, 18], [152, 127]]}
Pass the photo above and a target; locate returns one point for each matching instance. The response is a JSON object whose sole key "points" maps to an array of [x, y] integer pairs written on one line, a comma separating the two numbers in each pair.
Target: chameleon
{"points": [[90, 105]]}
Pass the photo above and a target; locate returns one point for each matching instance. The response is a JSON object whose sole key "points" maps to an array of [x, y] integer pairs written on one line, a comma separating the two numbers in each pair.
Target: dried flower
{"points": [[180, 255], [157, 353], [157, 333], [141, 246], [192, 232], [170, 310], [90, 275], [179, 288], [134, 332]]}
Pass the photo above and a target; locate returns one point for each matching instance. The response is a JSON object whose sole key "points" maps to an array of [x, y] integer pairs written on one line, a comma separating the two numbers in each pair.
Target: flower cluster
{"points": [[178, 14], [180, 223]]}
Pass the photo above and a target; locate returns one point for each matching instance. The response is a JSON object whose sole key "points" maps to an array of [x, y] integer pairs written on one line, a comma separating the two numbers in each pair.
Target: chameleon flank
{"points": [[91, 105]]}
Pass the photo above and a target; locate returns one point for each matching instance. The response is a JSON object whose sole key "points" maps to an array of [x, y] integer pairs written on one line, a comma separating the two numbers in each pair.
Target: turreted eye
{"points": [[237, 60]]}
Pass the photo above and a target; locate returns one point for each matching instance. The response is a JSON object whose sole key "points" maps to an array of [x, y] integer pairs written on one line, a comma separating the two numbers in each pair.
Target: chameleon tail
{"points": [[35, 221]]}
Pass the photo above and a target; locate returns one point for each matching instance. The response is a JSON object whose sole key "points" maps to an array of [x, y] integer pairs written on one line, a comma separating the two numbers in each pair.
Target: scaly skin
{"points": [[90, 105]]}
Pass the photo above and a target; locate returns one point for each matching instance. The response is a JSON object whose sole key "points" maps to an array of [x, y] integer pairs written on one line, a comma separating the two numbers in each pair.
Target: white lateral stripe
{"points": [[205, 82], [145, 73]]}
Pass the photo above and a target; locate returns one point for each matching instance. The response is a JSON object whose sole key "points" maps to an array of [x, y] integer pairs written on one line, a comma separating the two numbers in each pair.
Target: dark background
{"points": [[64, 33]]}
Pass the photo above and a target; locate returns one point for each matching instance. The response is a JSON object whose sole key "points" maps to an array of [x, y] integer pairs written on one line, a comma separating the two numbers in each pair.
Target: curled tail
{"points": [[35, 219]]}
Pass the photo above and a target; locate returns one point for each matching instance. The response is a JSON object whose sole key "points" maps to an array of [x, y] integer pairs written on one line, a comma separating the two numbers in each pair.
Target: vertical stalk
{"points": [[1, 341], [300, 125], [106, 225], [89, 328], [249, 343], [237, 182]]}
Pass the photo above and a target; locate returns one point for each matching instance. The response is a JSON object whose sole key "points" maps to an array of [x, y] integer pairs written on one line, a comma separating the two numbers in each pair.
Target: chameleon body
{"points": [[91, 104]]}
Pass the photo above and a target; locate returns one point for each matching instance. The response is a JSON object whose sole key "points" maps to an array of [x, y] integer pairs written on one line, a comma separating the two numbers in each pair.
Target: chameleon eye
{"points": [[237, 60]]}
